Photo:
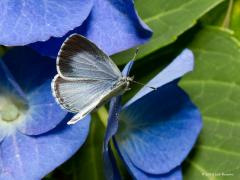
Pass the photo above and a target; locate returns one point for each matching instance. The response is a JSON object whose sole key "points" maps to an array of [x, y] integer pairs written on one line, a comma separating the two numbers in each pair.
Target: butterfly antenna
{"points": [[134, 57], [135, 54], [153, 88]]}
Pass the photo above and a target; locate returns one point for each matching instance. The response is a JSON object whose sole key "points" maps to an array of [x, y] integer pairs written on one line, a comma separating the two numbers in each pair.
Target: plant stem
{"points": [[3, 50], [103, 115], [226, 21]]}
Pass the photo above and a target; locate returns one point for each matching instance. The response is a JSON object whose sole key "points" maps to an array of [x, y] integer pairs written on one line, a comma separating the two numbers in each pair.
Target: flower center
{"points": [[10, 110]]}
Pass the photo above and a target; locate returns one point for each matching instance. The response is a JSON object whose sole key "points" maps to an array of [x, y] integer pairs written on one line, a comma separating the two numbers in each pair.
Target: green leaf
{"points": [[214, 86], [168, 19], [3, 50]]}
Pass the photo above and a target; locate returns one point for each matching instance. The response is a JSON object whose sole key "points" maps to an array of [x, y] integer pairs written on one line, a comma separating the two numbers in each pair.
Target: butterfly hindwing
{"points": [[76, 95]]}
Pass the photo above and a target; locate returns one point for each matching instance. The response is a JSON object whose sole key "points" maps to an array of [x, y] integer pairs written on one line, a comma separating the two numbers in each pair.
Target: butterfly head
{"points": [[126, 82]]}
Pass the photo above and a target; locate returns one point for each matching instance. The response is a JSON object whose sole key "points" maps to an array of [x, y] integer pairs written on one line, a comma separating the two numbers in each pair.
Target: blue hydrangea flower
{"points": [[156, 129], [113, 25], [34, 137]]}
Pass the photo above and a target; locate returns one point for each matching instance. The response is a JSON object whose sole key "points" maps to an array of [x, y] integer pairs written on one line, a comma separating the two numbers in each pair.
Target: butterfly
{"points": [[87, 78]]}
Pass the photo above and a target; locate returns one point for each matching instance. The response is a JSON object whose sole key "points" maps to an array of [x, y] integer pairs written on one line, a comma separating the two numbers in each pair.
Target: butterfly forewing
{"points": [[79, 58]]}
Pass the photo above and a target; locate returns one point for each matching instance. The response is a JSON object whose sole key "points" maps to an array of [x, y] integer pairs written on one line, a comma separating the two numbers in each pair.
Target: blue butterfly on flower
{"points": [[156, 129], [153, 132]]}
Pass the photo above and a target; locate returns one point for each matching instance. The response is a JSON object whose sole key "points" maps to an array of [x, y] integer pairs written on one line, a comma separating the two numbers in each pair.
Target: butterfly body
{"points": [[121, 86], [87, 78]]}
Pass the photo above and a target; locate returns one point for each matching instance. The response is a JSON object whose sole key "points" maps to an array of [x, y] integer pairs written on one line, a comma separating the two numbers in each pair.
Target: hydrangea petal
{"points": [[29, 68], [113, 25], [180, 66], [175, 174], [127, 68], [2, 136], [158, 131], [6, 176], [24, 22], [44, 113], [34, 75], [111, 171], [110, 166], [33, 157], [8, 83], [123, 28]]}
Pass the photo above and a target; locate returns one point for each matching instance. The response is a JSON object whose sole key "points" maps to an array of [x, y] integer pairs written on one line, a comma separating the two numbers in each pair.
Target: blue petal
{"points": [[175, 174], [33, 157], [110, 166], [158, 131], [181, 65], [127, 68], [29, 68], [33, 73], [24, 22], [8, 83], [111, 171], [113, 25], [44, 113], [5, 176]]}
